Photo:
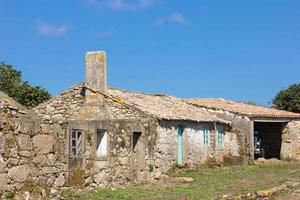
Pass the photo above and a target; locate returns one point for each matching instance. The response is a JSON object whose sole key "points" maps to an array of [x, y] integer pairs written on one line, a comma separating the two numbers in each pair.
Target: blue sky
{"points": [[240, 50]]}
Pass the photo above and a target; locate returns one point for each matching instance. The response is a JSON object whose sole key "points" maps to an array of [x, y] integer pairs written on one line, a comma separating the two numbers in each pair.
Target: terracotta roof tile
{"points": [[241, 108], [165, 107]]}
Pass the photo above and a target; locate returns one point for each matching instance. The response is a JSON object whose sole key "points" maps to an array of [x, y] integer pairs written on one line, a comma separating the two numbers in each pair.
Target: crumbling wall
{"points": [[27, 156], [195, 153], [119, 167], [63, 107], [290, 147], [81, 108]]}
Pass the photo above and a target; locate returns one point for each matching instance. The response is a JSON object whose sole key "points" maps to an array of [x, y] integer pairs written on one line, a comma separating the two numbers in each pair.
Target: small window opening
{"points": [[135, 138], [220, 138], [76, 143], [76, 148], [101, 146], [206, 137]]}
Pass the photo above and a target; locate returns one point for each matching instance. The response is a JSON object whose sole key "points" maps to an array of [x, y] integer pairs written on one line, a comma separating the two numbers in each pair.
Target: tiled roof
{"points": [[165, 107], [241, 108]]}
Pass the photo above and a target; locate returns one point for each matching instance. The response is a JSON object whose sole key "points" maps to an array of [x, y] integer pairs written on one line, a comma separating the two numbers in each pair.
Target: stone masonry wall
{"points": [[195, 153], [242, 126], [26, 153], [72, 104], [74, 110], [290, 147], [121, 166]]}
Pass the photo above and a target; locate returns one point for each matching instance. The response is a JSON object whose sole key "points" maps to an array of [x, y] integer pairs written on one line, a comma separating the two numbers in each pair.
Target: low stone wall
{"points": [[27, 155]]}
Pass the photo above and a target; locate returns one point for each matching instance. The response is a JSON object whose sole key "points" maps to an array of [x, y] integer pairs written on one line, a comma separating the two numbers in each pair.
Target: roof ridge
{"points": [[138, 92], [248, 109]]}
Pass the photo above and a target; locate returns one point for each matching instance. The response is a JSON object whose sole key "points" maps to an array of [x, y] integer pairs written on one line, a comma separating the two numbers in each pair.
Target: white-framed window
{"points": [[101, 143], [206, 137]]}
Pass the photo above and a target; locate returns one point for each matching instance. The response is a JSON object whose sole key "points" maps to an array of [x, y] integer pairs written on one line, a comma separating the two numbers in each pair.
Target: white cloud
{"points": [[127, 5], [107, 33], [176, 18], [50, 30]]}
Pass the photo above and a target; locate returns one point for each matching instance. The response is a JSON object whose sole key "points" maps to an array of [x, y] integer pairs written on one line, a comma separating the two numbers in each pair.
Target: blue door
{"points": [[179, 147]]}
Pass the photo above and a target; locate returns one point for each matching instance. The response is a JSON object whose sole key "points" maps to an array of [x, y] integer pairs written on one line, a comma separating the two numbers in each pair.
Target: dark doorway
{"points": [[267, 139], [135, 138]]}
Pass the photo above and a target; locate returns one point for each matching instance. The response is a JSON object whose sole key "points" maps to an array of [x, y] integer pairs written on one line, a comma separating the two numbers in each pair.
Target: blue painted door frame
{"points": [[179, 145]]}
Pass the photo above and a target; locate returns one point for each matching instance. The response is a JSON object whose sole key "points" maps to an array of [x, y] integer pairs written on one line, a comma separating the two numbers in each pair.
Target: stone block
{"points": [[2, 167], [49, 109], [46, 128], [24, 127], [3, 182], [26, 153], [184, 179], [24, 142], [49, 170], [60, 181], [143, 177], [40, 159], [19, 173], [2, 143], [44, 144]]}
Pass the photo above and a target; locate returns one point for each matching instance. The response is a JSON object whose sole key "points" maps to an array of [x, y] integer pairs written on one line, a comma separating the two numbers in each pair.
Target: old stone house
{"points": [[108, 136], [277, 131], [96, 136]]}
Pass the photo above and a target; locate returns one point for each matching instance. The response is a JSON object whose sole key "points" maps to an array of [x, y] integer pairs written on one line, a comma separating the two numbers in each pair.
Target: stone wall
{"points": [[63, 107], [122, 166], [86, 110], [242, 126], [195, 153], [290, 147], [79, 103], [244, 129], [34, 150], [27, 156]]}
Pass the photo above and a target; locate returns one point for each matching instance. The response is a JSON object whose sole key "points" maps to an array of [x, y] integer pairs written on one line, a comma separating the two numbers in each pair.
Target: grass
{"points": [[208, 183]]}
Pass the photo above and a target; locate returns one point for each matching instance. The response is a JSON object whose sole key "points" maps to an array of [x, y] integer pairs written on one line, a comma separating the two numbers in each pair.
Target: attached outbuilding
{"points": [[269, 133]]}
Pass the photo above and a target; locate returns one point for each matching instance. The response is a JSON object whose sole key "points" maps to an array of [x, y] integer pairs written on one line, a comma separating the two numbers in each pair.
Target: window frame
{"points": [[220, 138], [76, 157], [77, 140], [206, 137]]}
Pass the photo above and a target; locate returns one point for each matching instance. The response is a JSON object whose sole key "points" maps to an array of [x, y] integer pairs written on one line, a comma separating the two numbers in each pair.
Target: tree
{"points": [[12, 84], [288, 99]]}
